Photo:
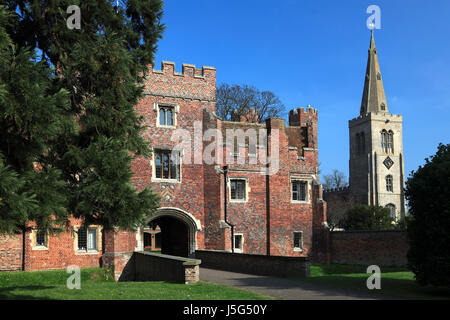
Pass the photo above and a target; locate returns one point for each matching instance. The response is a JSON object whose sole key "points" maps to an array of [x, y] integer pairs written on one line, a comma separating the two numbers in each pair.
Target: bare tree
{"points": [[335, 180], [236, 101]]}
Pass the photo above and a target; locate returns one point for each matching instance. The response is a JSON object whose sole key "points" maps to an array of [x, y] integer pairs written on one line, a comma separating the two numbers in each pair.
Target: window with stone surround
{"points": [[299, 190], [390, 142], [298, 241], [88, 239], [389, 184], [238, 243], [167, 165], [387, 141], [166, 115], [39, 240], [238, 190], [392, 210]]}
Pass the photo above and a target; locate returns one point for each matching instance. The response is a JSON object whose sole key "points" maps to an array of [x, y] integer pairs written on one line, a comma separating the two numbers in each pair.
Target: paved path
{"points": [[281, 288]]}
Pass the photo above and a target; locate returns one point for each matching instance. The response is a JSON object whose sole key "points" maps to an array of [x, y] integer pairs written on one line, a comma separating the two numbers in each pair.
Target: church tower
{"points": [[376, 146]]}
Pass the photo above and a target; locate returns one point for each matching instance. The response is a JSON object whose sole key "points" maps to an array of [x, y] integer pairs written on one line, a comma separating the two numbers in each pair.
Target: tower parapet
{"points": [[192, 83], [376, 116], [300, 116]]}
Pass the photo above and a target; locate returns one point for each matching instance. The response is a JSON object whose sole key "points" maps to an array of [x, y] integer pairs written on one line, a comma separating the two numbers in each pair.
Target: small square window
{"points": [[299, 190], [237, 189], [298, 241], [238, 242], [40, 239]]}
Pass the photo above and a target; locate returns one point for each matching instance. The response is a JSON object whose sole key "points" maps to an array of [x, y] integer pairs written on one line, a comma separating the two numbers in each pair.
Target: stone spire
{"points": [[374, 98]]}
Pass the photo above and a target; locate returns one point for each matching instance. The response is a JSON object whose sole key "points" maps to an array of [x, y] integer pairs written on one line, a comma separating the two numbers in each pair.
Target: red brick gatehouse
{"points": [[207, 203]]}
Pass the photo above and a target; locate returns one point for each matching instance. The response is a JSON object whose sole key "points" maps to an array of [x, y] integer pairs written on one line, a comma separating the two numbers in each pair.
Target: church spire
{"points": [[374, 98]]}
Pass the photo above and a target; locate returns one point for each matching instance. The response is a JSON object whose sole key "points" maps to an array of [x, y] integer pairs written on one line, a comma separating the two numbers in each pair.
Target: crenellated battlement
{"points": [[192, 83], [337, 190], [188, 70], [376, 116], [301, 115]]}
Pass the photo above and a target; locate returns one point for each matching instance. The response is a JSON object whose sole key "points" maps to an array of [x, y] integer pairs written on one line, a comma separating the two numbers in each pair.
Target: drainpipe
{"points": [[225, 171], [268, 124], [24, 238]]}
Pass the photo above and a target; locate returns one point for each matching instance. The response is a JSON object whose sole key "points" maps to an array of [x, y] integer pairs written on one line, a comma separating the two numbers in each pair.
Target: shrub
{"points": [[362, 217]]}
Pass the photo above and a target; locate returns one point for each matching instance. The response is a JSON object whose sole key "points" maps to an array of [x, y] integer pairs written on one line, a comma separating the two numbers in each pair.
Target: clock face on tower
{"points": [[388, 163]]}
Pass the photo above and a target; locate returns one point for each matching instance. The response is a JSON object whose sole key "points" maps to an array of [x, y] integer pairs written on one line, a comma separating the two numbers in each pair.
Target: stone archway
{"points": [[178, 231]]}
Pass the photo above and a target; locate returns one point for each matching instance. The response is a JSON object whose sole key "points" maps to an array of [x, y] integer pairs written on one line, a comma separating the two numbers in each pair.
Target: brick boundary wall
{"points": [[382, 248], [255, 264], [11, 252], [159, 267]]}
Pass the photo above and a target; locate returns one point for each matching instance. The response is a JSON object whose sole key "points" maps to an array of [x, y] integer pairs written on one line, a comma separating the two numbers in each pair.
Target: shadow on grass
{"points": [[9, 294]]}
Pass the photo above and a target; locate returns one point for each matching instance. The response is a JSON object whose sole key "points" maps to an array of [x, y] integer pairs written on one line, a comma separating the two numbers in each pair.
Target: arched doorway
{"points": [[178, 234]]}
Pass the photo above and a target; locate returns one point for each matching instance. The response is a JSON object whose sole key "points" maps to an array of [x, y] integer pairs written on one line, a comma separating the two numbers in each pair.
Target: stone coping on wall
{"points": [[278, 266], [186, 261], [278, 258], [160, 267], [366, 231]]}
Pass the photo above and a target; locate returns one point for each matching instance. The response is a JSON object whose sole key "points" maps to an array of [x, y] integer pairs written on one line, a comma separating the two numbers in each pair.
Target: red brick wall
{"points": [[201, 191], [11, 253], [269, 215], [382, 248], [61, 253]]}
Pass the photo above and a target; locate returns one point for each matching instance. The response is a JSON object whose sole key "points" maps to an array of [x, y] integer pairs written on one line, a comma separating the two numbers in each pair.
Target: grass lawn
{"points": [[395, 282], [97, 284]]}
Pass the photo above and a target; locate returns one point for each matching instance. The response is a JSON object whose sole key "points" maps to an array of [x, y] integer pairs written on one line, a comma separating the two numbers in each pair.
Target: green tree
{"points": [[428, 193], [32, 117], [362, 217], [102, 68]]}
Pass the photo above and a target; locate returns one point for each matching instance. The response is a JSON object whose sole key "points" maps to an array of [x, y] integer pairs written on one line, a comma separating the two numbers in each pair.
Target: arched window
{"points": [[389, 184], [384, 138], [387, 141], [390, 142], [391, 208]]}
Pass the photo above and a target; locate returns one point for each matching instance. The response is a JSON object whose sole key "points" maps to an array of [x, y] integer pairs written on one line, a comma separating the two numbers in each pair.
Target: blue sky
{"points": [[315, 53]]}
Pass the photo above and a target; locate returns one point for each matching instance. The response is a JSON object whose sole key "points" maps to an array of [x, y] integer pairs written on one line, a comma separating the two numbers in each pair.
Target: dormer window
{"points": [[383, 106]]}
